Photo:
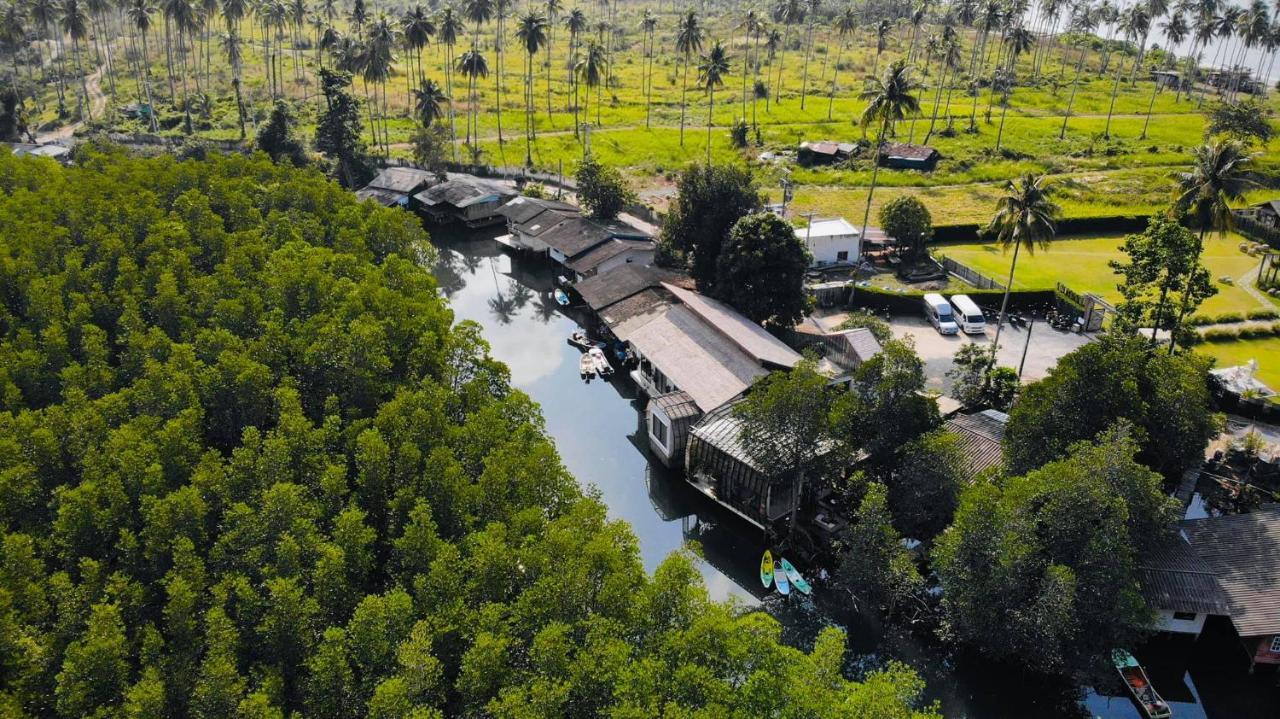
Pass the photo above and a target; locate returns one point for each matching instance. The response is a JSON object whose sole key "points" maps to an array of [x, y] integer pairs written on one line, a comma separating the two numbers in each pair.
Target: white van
{"points": [[938, 311], [969, 315]]}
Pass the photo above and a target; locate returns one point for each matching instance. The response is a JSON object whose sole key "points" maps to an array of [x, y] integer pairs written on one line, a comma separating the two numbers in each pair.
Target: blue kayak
{"points": [[780, 579]]}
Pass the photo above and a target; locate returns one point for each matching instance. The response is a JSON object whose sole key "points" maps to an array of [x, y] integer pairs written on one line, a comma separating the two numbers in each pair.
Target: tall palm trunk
{"points": [[684, 93], [168, 57], [711, 106], [804, 82], [875, 174], [1075, 83], [1004, 302], [937, 100], [835, 81], [648, 96], [1115, 89]]}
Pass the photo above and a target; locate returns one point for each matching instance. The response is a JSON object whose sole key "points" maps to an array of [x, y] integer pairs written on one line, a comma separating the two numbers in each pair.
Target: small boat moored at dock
{"points": [[1139, 686], [599, 362], [766, 569], [780, 579], [580, 340], [562, 298], [586, 367], [794, 576]]}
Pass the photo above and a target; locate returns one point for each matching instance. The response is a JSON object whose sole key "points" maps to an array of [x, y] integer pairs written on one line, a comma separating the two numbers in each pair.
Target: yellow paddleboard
{"points": [[766, 569]]}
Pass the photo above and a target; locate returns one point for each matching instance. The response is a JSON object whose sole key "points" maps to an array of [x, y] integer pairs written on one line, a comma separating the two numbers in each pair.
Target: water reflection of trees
{"points": [[448, 272], [545, 306], [506, 305]]}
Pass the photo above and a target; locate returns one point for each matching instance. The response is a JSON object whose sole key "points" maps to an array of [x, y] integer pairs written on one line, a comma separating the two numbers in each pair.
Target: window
{"points": [[1275, 644], [1185, 616], [658, 429], [842, 256]]}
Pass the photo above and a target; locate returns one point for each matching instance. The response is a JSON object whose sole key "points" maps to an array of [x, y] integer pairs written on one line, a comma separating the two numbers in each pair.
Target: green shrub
{"points": [[1220, 334], [1202, 320], [1262, 313], [1228, 318], [1253, 331]]}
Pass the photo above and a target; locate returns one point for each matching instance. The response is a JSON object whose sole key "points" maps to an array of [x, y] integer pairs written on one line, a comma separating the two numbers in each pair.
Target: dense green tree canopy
{"points": [[761, 271], [250, 467], [710, 199], [1165, 397], [1041, 569]]}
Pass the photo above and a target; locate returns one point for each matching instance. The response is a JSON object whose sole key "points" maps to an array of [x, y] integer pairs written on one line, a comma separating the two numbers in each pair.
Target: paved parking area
{"points": [[937, 351]]}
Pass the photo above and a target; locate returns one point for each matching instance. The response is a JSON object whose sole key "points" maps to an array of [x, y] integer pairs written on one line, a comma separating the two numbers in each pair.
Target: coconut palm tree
{"points": [[773, 46], [379, 58], [553, 11], [531, 31], [231, 47], [1175, 31], [889, 99], [648, 28], [1083, 22], [46, 14], [417, 28], [591, 69], [449, 28], [811, 13], [1134, 23], [97, 10], [13, 32], [688, 41], [882, 41], [139, 13], [1219, 175], [1026, 216], [474, 67], [74, 22], [1019, 40], [711, 74], [429, 102], [787, 12], [576, 23], [949, 61], [846, 23]]}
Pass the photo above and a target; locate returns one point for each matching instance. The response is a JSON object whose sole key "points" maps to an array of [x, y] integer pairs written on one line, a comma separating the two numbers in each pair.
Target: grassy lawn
{"points": [[1266, 351], [1081, 264]]}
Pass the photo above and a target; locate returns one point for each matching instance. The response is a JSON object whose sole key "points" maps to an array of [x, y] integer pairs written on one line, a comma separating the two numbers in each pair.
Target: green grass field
{"points": [[1123, 174], [1081, 264], [1266, 351]]}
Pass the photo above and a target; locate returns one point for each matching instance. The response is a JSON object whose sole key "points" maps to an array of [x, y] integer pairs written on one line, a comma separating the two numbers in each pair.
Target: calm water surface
{"points": [[599, 435]]}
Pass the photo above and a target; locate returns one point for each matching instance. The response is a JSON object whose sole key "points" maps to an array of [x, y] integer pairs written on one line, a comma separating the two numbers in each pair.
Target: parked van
{"points": [[938, 311], [969, 315]]}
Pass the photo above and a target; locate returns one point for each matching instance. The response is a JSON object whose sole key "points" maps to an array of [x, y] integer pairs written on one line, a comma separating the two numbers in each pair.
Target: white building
{"points": [[831, 241]]}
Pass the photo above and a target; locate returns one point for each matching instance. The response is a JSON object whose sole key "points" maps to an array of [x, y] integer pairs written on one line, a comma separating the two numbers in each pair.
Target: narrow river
{"points": [[599, 435]]}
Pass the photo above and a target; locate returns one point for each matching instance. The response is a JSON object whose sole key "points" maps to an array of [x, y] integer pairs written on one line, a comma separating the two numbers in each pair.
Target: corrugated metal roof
{"points": [[677, 405], [722, 429], [1174, 578], [862, 343], [695, 357], [403, 180], [386, 198], [981, 436], [523, 209], [747, 335], [646, 301], [576, 235], [834, 227], [463, 192], [1244, 551], [594, 258], [907, 151], [620, 283]]}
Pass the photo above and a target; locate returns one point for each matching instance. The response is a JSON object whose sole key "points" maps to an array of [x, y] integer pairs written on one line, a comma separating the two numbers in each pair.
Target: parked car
{"points": [[969, 315], [938, 311]]}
